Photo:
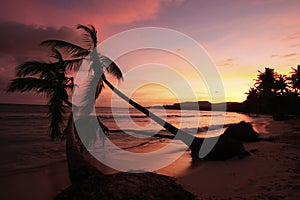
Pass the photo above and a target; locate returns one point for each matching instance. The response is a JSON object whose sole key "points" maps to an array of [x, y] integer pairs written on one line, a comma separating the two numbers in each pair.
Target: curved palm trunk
{"points": [[78, 167], [194, 143]]}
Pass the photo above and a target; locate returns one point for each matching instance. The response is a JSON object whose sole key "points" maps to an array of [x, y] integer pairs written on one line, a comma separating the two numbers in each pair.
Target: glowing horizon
{"points": [[241, 38]]}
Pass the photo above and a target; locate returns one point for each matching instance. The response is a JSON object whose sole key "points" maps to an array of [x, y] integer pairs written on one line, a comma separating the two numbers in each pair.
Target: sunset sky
{"points": [[241, 37]]}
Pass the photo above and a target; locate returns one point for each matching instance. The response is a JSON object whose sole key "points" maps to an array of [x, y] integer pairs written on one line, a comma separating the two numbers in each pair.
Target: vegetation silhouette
{"points": [[50, 79], [100, 62], [275, 94]]}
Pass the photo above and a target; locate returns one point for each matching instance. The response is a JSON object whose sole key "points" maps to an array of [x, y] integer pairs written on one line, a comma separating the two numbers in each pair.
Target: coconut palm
{"points": [[87, 181], [49, 79], [295, 79], [295, 85], [252, 100], [101, 65], [266, 86], [281, 85], [266, 80]]}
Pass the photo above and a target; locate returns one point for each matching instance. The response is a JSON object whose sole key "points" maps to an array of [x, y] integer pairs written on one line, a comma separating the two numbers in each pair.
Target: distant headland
{"points": [[207, 106]]}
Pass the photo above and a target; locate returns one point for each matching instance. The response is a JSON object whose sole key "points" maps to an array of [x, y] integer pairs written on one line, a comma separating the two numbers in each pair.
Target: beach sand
{"points": [[42, 183], [271, 172]]}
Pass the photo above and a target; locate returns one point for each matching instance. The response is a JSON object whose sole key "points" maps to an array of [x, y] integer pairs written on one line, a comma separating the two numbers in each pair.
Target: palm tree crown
{"points": [[49, 79], [295, 79], [100, 64]]}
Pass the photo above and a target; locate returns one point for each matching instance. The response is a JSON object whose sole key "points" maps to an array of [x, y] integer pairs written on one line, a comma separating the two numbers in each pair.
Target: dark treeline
{"points": [[274, 93]]}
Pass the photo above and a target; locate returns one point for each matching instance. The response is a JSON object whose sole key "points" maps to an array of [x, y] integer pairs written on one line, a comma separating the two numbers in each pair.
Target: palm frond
{"points": [[67, 46], [56, 54], [111, 67], [29, 84], [82, 54], [70, 87], [56, 113], [33, 68], [90, 36], [99, 88], [71, 65]]}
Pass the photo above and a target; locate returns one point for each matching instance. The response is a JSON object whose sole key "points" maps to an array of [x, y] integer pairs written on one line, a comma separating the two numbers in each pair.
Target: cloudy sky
{"points": [[241, 37]]}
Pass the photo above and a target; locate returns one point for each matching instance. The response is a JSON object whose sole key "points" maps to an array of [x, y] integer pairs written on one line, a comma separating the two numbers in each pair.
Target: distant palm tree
{"points": [[281, 85], [266, 80], [275, 93], [295, 79], [49, 79], [251, 102], [266, 86], [252, 93]]}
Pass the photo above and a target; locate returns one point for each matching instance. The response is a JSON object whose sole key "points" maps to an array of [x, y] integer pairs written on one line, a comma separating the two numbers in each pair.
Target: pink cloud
{"points": [[284, 55], [58, 13]]}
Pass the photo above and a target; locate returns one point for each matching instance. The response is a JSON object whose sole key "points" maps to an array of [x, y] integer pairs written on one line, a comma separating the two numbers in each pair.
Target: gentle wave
{"points": [[20, 117], [188, 130], [139, 116]]}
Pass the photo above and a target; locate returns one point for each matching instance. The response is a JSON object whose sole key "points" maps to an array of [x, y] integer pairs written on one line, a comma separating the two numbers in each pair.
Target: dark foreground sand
{"points": [[40, 183], [272, 172]]}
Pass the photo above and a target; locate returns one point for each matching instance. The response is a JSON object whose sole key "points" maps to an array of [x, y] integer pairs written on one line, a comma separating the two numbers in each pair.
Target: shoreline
{"points": [[271, 172]]}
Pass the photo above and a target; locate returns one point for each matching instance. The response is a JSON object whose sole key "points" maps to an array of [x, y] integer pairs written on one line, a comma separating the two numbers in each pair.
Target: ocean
{"points": [[25, 142]]}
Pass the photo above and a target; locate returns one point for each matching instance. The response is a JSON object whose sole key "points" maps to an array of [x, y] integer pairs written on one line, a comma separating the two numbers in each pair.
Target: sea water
{"points": [[25, 137]]}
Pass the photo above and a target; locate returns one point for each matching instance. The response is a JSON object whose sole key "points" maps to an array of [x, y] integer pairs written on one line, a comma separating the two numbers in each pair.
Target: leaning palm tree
{"points": [[51, 80], [87, 181], [101, 64]]}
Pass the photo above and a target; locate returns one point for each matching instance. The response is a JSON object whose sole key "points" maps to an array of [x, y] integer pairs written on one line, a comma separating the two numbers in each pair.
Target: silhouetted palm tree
{"points": [[49, 79], [275, 94], [100, 64], [266, 80], [281, 85], [252, 100], [295, 79], [265, 84]]}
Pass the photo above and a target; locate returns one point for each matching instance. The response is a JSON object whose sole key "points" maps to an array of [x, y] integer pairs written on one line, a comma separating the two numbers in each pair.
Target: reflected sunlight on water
{"points": [[24, 134]]}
